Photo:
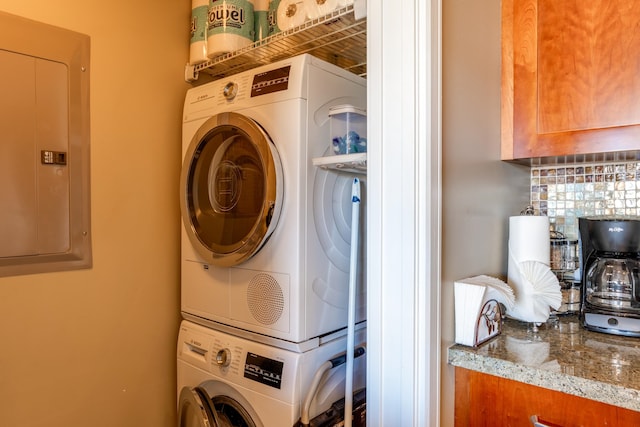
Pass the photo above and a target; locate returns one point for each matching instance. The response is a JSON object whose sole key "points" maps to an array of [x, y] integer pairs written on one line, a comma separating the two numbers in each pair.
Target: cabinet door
{"points": [[570, 77], [487, 400]]}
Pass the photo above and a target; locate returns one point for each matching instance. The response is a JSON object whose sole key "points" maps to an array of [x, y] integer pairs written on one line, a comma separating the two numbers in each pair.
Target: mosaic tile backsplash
{"points": [[566, 192]]}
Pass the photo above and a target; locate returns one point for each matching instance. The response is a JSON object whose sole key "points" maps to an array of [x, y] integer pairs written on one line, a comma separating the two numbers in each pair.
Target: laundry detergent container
{"points": [[348, 129]]}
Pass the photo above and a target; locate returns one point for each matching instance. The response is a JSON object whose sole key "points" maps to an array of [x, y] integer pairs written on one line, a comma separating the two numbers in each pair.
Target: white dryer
{"points": [[266, 235], [225, 380]]}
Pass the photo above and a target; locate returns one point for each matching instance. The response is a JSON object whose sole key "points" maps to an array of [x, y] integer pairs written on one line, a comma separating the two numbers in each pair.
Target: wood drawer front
{"points": [[487, 400]]}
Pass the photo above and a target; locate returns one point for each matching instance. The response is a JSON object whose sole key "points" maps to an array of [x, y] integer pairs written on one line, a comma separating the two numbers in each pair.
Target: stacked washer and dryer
{"points": [[266, 248]]}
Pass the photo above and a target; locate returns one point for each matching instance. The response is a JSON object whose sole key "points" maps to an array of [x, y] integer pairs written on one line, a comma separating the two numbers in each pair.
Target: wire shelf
{"points": [[337, 38]]}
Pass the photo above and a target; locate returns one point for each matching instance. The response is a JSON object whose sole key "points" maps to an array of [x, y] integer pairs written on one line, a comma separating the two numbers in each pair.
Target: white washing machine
{"points": [[266, 235], [225, 380]]}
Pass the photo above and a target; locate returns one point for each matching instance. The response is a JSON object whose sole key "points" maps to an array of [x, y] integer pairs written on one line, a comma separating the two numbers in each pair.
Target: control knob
{"points": [[223, 357], [230, 91]]}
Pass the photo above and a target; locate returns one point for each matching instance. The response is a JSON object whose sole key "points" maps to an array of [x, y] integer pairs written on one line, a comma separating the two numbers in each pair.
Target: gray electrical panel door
{"points": [[33, 122], [44, 143]]}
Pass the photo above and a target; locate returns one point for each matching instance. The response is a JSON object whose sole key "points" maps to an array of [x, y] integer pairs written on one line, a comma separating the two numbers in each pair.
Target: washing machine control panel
{"points": [[254, 362], [264, 370]]}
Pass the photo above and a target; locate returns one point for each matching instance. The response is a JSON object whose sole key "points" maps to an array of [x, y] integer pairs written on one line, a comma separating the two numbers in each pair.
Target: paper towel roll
{"points": [[529, 238], [291, 13], [318, 8], [230, 26], [198, 42], [535, 286]]}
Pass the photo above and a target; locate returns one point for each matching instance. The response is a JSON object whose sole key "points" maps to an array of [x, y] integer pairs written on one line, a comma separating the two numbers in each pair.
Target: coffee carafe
{"points": [[610, 255]]}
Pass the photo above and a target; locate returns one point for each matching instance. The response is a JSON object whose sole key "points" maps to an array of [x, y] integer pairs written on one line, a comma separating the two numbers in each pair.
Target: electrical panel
{"points": [[44, 148]]}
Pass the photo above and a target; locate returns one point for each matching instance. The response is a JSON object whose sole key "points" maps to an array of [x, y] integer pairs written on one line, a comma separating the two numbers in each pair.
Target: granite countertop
{"points": [[560, 356]]}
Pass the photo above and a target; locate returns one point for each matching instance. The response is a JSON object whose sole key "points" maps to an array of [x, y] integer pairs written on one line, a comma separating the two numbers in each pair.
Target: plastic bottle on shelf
{"points": [[230, 26], [198, 42]]}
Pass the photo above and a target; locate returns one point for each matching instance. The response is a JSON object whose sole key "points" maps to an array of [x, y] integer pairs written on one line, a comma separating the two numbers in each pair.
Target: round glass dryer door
{"points": [[231, 189]]}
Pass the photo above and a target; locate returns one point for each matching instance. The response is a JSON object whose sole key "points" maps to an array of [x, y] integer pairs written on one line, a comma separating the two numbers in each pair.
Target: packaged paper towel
{"points": [[230, 26], [261, 19], [291, 13], [535, 286], [198, 42], [273, 17], [318, 8]]}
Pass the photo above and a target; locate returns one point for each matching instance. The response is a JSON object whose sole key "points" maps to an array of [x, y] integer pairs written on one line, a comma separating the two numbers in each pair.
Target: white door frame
{"points": [[404, 200]]}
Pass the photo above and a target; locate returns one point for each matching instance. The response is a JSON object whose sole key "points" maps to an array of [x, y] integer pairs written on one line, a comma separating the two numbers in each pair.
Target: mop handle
{"points": [[353, 267]]}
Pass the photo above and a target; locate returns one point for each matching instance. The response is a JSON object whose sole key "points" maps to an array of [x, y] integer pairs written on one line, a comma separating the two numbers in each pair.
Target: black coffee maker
{"points": [[610, 262]]}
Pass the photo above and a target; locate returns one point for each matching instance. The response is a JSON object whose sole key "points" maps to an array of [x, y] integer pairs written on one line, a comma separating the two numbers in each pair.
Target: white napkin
{"points": [[536, 289], [496, 289]]}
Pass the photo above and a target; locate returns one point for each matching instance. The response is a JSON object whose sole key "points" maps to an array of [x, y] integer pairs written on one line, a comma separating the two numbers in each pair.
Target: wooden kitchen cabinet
{"points": [[487, 400], [570, 78]]}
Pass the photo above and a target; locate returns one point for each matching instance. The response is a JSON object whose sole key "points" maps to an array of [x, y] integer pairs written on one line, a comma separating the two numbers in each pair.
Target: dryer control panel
{"points": [[270, 81]]}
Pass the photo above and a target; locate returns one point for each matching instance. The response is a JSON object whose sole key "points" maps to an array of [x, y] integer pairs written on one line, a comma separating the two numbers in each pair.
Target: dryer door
{"points": [[197, 409], [231, 189]]}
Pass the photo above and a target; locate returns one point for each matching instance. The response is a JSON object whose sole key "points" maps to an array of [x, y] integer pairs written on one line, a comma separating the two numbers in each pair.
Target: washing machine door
{"points": [[198, 409], [195, 410], [231, 189]]}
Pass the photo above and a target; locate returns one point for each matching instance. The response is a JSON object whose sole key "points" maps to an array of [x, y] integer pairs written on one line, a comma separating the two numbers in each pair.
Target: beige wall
{"points": [[97, 347], [479, 191]]}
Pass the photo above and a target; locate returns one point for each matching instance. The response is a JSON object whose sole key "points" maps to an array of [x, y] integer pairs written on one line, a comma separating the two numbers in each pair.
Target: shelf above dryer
{"points": [[353, 163], [338, 38]]}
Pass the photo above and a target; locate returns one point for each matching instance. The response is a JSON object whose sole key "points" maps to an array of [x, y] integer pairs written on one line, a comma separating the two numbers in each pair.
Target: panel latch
{"points": [[53, 157]]}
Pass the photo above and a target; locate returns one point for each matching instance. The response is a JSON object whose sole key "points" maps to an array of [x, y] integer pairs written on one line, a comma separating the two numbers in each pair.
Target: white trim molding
{"points": [[403, 212]]}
